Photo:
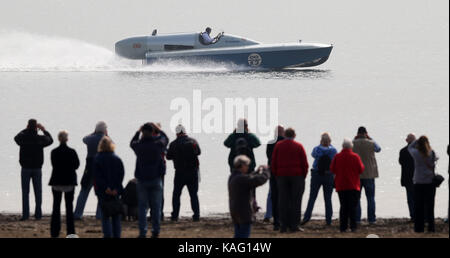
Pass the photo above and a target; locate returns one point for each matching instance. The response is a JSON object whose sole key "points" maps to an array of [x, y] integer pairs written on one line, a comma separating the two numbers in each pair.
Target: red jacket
{"points": [[289, 159], [347, 166]]}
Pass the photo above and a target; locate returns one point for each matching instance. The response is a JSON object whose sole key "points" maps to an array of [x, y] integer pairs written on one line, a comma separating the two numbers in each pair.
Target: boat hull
{"points": [[272, 57]]}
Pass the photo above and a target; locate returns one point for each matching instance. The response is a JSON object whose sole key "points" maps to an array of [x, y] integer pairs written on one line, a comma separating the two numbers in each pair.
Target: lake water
{"points": [[388, 71]]}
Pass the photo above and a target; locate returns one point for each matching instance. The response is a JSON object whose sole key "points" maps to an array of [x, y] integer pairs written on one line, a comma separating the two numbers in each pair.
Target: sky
{"points": [[104, 22]]}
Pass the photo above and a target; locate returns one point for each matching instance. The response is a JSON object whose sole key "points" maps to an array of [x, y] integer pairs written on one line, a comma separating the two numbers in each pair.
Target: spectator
{"points": [[273, 190], [184, 152], [242, 142], [448, 171], [407, 163], [321, 176], [150, 169], [290, 166], [424, 191], [87, 181], [161, 138], [108, 178], [240, 186], [65, 162], [31, 159], [347, 167], [366, 148]]}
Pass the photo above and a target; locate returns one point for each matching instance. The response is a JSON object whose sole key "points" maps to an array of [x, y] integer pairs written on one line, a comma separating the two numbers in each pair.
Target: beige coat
{"points": [[365, 148]]}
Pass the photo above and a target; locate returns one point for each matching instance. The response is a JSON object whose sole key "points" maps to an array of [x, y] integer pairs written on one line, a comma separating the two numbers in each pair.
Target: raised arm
{"points": [[256, 180], [134, 141]]}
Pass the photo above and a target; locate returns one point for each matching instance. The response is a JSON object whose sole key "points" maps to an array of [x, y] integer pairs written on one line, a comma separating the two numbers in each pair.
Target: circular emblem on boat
{"points": [[254, 60]]}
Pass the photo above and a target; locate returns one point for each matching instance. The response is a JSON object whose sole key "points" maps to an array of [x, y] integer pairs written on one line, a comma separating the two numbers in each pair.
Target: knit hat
{"points": [[180, 129]]}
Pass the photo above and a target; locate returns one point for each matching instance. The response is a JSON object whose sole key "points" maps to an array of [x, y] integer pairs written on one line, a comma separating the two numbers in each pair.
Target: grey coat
{"points": [[424, 166]]}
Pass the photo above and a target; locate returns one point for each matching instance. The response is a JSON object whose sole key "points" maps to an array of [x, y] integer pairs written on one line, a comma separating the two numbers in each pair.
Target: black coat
{"points": [[32, 148], [65, 162], [184, 152], [270, 148], [407, 163], [108, 173]]}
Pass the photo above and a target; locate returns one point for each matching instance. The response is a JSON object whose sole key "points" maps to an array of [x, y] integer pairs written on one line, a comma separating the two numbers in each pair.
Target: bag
{"points": [[323, 164], [112, 206], [437, 180], [242, 147]]}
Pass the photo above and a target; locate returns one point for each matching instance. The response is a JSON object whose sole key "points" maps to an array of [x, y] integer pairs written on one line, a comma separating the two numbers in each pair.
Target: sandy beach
{"points": [[218, 226]]}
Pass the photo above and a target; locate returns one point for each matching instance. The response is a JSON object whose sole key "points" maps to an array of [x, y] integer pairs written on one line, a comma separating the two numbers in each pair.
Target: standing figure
{"points": [[366, 148], [407, 163], [31, 159], [65, 162]]}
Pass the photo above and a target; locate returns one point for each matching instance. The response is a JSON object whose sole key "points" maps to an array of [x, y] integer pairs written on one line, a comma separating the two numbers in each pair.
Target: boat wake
{"points": [[27, 52]]}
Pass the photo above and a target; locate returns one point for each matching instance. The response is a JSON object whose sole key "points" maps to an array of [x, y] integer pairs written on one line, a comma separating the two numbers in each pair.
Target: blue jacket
{"points": [[92, 141], [319, 151], [108, 172], [149, 157]]}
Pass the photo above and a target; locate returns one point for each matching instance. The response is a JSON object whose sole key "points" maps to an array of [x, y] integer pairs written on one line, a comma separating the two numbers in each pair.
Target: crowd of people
{"points": [[348, 172]]}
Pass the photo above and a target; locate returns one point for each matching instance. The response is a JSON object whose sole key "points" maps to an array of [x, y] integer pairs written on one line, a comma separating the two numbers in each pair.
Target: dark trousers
{"points": [[349, 205], [274, 197], [242, 230], [191, 182], [34, 175], [55, 224], [424, 195], [410, 199], [290, 194]]}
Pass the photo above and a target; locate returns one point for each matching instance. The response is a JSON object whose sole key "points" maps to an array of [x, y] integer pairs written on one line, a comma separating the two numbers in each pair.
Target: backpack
{"points": [[323, 164], [242, 147]]}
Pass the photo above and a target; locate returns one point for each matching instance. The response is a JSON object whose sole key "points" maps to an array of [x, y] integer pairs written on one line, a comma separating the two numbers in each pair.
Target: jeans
{"points": [[327, 181], [410, 198], [111, 226], [349, 203], [274, 200], [192, 185], [268, 214], [55, 223], [81, 203], [149, 192], [424, 196], [34, 175], [291, 190], [242, 230], [369, 189]]}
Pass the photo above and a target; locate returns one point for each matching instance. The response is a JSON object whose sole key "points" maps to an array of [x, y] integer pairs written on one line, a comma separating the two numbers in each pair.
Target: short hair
{"points": [[362, 130], [63, 136], [325, 139], [289, 133], [241, 160], [106, 145], [32, 124], [147, 127], [208, 29], [347, 144], [101, 127]]}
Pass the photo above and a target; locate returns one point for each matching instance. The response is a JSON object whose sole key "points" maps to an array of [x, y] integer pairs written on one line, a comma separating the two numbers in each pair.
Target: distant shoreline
{"points": [[216, 226]]}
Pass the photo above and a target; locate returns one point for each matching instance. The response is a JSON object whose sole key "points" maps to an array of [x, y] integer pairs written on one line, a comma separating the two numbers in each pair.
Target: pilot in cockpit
{"points": [[206, 37]]}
